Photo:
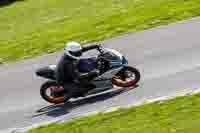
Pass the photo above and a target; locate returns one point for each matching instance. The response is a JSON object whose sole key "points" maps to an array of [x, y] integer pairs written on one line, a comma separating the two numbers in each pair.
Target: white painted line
{"points": [[112, 109]]}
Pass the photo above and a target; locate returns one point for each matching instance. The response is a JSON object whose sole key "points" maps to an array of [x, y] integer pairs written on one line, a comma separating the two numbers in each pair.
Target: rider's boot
{"points": [[69, 91]]}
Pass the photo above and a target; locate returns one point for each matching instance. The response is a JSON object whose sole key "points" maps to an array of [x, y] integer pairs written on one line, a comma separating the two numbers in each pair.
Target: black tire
{"points": [[136, 72], [131, 84], [47, 98]]}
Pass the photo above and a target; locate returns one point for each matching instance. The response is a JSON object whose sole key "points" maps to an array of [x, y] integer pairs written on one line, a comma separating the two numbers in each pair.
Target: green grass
{"points": [[180, 115], [34, 27]]}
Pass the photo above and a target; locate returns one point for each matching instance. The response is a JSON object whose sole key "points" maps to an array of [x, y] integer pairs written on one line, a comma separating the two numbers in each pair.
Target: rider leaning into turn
{"points": [[67, 72]]}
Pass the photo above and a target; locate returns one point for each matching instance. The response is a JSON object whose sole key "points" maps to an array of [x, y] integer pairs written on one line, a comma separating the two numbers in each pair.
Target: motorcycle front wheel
{"points": [[127, 77], [51, 92]]}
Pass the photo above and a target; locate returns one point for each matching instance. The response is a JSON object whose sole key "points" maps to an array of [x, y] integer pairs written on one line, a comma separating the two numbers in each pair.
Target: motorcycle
{"points": [[114, 71]]}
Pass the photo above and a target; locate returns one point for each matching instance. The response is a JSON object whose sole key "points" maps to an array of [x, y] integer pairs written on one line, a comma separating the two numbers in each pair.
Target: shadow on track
{"points": [[8, 2], [62, 109]]}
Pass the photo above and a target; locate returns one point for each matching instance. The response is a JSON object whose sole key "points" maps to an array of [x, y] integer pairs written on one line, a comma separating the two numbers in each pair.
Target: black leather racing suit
{"points": [[67, 72]]}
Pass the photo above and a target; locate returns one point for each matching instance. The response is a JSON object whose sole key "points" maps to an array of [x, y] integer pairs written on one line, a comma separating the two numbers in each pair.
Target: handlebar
{"points": [[100, 49]]}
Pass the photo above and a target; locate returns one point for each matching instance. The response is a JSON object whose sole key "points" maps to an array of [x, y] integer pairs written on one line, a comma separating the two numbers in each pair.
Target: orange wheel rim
{"points": [[56, 99], [122, 83]]}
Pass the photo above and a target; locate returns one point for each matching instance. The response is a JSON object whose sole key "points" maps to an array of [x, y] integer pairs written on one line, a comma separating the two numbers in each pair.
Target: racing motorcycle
{"points": [[114, 71]]}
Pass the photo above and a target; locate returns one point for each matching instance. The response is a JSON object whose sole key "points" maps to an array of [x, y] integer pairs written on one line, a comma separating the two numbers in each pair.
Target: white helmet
{"points": [[73, 49]]}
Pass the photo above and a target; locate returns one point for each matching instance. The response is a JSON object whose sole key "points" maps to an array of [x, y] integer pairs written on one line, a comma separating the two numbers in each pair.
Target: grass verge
{"points": [[179, 115], [34, 27]]}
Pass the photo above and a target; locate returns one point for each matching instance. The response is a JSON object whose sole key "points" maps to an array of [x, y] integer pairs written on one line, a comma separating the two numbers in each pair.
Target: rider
{"points": [[67, 72]]}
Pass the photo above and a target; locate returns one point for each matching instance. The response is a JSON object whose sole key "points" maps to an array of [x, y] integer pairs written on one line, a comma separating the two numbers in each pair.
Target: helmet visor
{"points": [[77, 53]]}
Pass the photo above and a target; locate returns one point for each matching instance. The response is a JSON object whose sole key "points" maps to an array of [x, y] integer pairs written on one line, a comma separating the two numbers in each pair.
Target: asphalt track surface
{"points": [[168, 58]]}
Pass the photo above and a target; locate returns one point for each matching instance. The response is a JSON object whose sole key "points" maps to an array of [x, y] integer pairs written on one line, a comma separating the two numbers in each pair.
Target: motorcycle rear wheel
{"points": [[120, 79], [52, 98]]}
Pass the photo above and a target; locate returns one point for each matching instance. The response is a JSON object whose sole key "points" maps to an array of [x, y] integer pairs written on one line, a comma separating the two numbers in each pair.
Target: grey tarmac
{"points": [[168, 58]]}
